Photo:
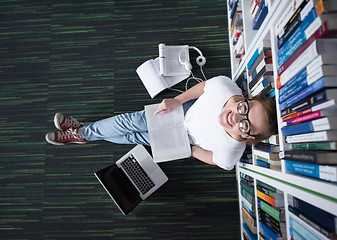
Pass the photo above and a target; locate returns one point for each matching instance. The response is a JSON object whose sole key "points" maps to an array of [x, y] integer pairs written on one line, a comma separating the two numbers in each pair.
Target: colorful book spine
{"points": [[277, 214], [314, 146], [325, 123], [307, 117], [293, 22], [261, 15], [297, 38], [324, 172], [326, 219], [318, 101], [302, 230], [278, 202], [323, 31], [251, 235], [314, 87], [317, 54], [313, 137], [315, 225]]}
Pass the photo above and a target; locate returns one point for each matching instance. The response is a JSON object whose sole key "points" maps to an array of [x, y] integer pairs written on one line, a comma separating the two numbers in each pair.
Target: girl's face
{"points": [[252, 120]]}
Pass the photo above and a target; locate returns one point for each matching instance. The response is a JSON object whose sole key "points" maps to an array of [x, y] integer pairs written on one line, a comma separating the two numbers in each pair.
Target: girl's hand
{"points": [[168, 105]]}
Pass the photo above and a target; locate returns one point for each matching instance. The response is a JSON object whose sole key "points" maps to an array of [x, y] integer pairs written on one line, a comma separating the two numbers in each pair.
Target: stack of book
{"points": [[247, 156], [248, 206], [260, 71], [241, 81], [307, 85], [309, 222], [271, 212], [267, 155], [236, 27], [259, 11]]}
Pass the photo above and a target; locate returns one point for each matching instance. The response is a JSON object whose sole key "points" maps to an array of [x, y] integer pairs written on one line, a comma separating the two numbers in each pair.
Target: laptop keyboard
{"points": [[137, 174]]}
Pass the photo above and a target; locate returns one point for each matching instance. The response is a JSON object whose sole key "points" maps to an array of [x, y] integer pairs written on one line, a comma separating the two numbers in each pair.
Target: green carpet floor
{"points": [[79, 57]]}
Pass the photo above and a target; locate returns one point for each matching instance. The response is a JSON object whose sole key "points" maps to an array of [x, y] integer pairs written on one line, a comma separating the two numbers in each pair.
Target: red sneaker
{"points": [[63, 137], [63, 122]]}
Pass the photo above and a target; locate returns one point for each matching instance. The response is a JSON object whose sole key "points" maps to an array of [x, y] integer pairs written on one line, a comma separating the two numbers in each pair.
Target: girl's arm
{"points": [[168, 105], [203, 155]]}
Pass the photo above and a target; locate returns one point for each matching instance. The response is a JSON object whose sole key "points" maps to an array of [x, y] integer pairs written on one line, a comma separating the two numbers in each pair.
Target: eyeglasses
{"points": [[244, 124]]}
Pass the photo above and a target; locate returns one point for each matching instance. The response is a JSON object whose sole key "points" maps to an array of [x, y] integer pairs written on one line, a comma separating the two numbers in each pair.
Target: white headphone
{"points": [[201, 60]]}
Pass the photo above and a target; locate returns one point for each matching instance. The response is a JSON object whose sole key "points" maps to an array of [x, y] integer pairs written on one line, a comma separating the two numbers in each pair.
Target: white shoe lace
{"points": [[70, 122], [68, 134]]}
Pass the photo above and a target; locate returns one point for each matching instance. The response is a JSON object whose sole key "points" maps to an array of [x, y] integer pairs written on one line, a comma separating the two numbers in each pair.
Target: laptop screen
{"points": [[119, 187]]}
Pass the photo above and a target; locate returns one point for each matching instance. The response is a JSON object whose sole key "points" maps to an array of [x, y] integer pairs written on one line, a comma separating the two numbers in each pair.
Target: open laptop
{"points": [[132, 179]]}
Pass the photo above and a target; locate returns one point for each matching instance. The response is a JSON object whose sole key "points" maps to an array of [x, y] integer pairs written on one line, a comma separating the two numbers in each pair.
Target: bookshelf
{"points": [[319, 194]]}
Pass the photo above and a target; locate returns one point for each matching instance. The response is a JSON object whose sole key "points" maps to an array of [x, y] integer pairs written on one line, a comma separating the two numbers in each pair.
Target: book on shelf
{"points": [[255, 71], [299, 15], [298, 12], [266, 154], [265, 46], [267, 147], [304, 229], [247, 187], [277, 213], [318, 85], [278, 201], [323, 99], [264, 86], [320, 136], [269, 190], [248, 232], [304, 78], [313, 223], [239, 48], [270, 234], [318, 53], [298, 37], [271, 223], [267, 163], [249, 207], [326, 219], [324, 123], [260, 16], [264, 56], [248, 196], [323, 172], [326, 30], [314, 146], [300, 117], [237, 6], [265, 72], [255, 6], [306, 30], [273, 139], [310, 156], [250, 221], [288, 16]]}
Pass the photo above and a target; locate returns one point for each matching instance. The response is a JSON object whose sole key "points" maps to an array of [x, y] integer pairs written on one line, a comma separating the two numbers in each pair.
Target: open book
{"points": [[168, 136], [153, 81]]}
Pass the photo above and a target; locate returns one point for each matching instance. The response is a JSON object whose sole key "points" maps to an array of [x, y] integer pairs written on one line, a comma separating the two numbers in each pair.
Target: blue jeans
{"points": [[126, 128]]}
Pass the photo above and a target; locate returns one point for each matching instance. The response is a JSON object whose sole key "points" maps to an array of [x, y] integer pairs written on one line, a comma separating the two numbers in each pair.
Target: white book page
{"points": [[168, 136], [148, 72], [163, 121], [155, 83]]}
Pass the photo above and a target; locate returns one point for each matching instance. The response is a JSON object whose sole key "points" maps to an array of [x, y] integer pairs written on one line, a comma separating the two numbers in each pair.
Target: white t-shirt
{"points": [[201, 122]]}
